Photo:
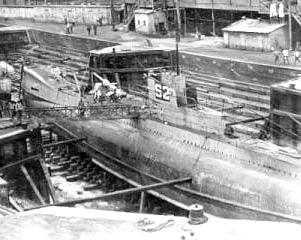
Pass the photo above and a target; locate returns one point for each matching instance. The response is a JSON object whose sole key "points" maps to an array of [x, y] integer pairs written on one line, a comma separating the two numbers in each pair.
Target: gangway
{"points": [[94, 112]]}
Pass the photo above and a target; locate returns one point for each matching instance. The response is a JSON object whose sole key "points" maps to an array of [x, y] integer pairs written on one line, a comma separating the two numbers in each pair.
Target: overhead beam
{"points": [[120, 192], [23, 161], [246, 121], [64, 142]]}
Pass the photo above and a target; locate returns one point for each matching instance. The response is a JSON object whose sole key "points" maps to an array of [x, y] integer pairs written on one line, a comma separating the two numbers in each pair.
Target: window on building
{"points": [[138, 22], [144, 23]]}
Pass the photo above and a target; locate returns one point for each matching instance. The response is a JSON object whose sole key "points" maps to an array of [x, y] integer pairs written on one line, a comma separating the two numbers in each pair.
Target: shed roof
{"points": [[253, 26], [144, 11]]}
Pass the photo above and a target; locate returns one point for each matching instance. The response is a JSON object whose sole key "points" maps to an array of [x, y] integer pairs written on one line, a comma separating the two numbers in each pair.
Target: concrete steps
{"points": [[58, 60], [71, 63], [204, 87], [225, 82], [79, 59], [63, 50], [253, 105]]}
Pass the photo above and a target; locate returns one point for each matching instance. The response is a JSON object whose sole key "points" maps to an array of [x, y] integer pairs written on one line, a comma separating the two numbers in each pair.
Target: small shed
{"points": [[150, 21], [256, 35]]}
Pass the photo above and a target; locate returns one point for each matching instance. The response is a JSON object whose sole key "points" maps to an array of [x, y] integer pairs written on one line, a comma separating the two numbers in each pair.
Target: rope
{"points": [[147, 225]]}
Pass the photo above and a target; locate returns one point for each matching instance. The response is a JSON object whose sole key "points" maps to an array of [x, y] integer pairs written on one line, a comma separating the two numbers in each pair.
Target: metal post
{"points": [[177, 53], [112, 15], [195, 21], [185, 23], [213, 19], [290, 25], [178, 16], [142, 200]]}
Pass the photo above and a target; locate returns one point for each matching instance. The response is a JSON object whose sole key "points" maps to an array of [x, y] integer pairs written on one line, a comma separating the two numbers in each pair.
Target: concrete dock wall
{"points": [[237, 70], [68, 42], [57, 13]]}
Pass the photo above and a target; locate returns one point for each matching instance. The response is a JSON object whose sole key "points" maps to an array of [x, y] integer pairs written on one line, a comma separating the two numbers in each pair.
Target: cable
{"points": [[147, 225]]}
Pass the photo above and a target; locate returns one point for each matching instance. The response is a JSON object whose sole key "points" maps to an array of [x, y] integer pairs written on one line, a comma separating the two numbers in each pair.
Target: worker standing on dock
{"points": [[285, 54], [70, 27], [297, 53], [12, 108], [89, 28], [100, 21], [81, 107], [19, 110], [95, 29], [276, 53]]}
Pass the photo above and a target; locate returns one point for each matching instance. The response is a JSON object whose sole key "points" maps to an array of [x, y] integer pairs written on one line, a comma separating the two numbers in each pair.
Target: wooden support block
{"points": [[32, 184], [74, 158], [91, 187], [142, 200], [15, 205], [73, 178], [64, 163]]}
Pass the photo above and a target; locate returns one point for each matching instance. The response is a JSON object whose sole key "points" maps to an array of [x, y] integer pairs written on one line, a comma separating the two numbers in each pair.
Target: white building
{"points": [[149, 21]]}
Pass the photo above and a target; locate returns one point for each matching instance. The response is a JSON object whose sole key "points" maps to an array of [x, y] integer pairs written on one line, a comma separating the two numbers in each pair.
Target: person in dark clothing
{"points": [[71, 27], [13, 109], [95, 29], [100, 21], [89, 29], [81, 108], [276, 53]]}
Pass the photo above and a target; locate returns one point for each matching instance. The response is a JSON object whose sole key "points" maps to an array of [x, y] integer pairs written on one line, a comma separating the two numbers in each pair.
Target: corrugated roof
{"points": [[253, 26]]}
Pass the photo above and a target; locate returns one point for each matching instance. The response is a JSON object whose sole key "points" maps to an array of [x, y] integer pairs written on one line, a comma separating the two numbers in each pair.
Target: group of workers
{"points": [[13, 109], [70, 24], [285, 54], [102, 92]]}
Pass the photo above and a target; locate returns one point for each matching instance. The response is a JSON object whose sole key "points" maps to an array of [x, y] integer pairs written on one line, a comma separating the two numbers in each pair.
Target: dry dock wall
{"points": [[67, 42], [57, 13], [237, 70]]}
